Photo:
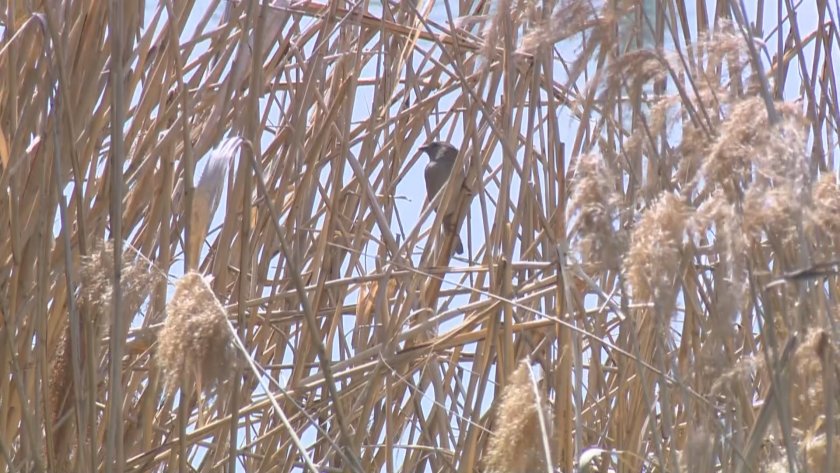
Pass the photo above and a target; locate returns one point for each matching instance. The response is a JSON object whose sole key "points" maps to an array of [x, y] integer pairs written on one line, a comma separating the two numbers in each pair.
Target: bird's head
{"points": [[439, 150]]}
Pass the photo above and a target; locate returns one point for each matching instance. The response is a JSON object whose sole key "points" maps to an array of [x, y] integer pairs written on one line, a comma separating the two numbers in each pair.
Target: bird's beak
{"points": [[425, 147]]}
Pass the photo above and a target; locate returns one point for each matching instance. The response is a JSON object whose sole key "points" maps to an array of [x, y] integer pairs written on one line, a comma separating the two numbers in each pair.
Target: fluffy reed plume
{"points": [[781, 186], [653, 259], [593, 209], [517, 442], [728, 162], [717, 222], [815, 452], [632, 72], [725, 42], [567, 18], [698, 455], [811, 364], [138, 277], [822, 219], [195, 344], [807, 391], [692, 149], [659, 121], [494, 29], [750, 151]]}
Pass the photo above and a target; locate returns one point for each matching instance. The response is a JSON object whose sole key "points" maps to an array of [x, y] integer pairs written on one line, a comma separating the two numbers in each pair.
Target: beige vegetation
{"points": [[650, 209]]}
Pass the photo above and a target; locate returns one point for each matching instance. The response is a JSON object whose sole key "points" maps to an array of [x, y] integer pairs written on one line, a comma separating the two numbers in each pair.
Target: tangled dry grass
{"points": [[216, 255]]}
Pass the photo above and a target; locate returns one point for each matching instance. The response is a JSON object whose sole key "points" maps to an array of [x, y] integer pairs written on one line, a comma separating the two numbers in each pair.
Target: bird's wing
{"points": [[430, 178]]}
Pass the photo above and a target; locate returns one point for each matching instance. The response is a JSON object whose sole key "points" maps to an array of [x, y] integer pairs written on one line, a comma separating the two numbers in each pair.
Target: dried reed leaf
{"points": [[208, 193]]}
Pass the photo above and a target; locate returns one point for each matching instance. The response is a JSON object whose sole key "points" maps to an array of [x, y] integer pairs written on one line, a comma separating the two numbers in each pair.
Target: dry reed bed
{"points": [[674, 250]]}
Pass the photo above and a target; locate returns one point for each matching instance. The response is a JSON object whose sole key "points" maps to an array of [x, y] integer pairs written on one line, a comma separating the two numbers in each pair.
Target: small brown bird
{"points": [[441, 160]]}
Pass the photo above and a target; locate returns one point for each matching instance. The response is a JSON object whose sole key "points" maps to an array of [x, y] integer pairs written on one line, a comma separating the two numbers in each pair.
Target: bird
{"points": [[441, 161]]}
